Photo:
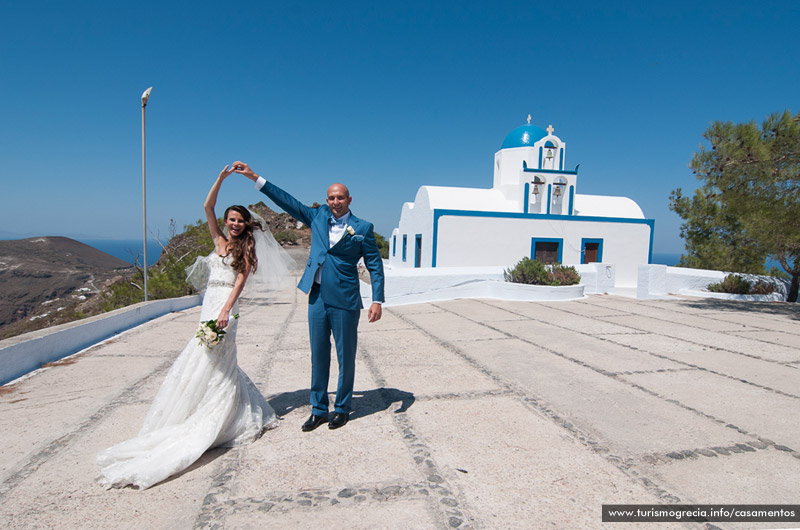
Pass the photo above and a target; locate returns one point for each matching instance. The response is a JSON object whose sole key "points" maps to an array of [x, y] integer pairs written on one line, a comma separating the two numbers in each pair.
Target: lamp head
{"points": [[146, 96]]}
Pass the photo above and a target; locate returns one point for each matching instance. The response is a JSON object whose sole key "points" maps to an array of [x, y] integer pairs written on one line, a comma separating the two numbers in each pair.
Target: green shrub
{"points": [[167, 278], [528, 271], [383, 245], [286, 236], [762, 287], [732, 284], [736, 284], [123, 293], [534, 272], [566, 275]]}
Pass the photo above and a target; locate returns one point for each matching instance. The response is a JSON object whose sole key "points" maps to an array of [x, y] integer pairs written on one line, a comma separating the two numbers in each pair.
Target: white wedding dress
{"points": [[205, 401]]}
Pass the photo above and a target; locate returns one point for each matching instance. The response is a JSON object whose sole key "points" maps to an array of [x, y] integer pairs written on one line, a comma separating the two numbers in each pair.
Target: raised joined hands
{"points": [[243, 169]]}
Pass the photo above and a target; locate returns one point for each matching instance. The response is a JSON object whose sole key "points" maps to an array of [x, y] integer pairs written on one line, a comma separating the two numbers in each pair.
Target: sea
{"points": [[669, 259], [672, 259], [128, 250]]}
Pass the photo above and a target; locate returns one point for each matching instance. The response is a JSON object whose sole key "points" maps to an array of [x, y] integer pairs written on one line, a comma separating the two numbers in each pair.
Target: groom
{"points": [[338, 240]]}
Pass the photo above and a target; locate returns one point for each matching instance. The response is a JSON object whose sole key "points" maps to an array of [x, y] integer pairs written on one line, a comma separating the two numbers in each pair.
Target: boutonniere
{"points": [[350, 230]]}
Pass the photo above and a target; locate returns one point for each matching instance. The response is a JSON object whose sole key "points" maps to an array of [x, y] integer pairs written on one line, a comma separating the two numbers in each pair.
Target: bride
{"points": [[206, 400]]}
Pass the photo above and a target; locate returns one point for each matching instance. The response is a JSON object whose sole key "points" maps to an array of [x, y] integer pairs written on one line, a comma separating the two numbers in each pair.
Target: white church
{"points": [[532, 209]]}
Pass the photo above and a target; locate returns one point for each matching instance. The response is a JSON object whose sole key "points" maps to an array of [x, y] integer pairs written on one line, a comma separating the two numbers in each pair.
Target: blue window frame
{"points": [[547, 245], [394, 246], [418, 251], [594, 244], [405, 245]]}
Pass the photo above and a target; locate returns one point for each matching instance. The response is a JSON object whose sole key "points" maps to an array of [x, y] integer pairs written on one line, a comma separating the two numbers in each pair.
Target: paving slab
{"points": [[413, 363], [289, 461], [769, 374], [675, 314], [588, 307], [483, 312], [749, 346], [779, 338], [515, 468], [756, 410], [560, 315], [56, 493], [785, 322], [738, 479], [618, 417], [592, 350], [469, 414], [450, 326], [363, 514]]}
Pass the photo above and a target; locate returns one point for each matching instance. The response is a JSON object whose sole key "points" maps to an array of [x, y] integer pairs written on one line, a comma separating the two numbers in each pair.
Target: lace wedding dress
{"points": [[205, 401]]}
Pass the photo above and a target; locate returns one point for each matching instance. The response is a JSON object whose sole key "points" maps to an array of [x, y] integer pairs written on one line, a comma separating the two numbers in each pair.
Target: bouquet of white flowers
{"points": [[209, 334]]}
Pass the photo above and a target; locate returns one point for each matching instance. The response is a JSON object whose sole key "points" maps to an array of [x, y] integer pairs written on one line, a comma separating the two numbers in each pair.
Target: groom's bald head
{"points": [[338, 199], [338, 188]]}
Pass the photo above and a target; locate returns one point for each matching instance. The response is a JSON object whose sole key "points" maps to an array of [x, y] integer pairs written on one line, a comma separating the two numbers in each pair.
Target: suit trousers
{"points": [[323, 320]]}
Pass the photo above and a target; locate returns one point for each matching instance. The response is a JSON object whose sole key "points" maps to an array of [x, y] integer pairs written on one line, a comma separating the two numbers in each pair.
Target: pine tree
{"points": [[748, 206]]}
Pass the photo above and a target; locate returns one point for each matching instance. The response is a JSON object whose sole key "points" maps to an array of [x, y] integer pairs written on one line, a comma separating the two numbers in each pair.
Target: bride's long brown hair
{"points": [[243, 248]]}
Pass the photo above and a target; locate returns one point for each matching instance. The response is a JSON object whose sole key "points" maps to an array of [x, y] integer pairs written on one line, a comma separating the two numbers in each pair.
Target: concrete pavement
{"points": [[468, 414]]}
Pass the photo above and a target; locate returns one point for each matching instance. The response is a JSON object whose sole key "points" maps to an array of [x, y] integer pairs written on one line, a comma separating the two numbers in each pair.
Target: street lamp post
{"points": [[145, 97]]}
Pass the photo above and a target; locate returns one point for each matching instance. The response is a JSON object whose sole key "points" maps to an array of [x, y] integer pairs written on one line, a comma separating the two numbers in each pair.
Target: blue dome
{"points": [[524, 136]]}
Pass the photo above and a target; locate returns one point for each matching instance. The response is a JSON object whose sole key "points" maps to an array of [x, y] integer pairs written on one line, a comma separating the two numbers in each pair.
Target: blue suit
{"points": [[334, 305]]}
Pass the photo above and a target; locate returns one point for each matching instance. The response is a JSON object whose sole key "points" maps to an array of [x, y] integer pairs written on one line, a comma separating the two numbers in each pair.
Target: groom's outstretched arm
{"points": [[289, 204]]}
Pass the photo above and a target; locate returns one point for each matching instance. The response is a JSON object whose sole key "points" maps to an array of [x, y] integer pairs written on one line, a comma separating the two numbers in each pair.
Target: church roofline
{"points": [[564, 171]]}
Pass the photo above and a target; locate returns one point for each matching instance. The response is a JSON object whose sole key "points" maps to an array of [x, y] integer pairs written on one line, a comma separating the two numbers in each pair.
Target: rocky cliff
{"points": [[43, 276]]}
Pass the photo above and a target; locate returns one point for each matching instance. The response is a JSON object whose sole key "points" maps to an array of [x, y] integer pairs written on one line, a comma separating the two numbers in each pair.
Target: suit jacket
{"points": [[340, 285]]}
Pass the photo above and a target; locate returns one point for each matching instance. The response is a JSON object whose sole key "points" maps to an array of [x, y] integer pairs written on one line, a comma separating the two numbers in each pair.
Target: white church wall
{"points": [[487, 241], [480, 241], [508, 164], [598, 205], [451, 198], [627, 245], [416, 219]]}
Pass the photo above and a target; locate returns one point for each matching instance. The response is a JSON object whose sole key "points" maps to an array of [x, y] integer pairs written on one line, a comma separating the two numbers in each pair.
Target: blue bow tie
{"points": [[337, 222]]}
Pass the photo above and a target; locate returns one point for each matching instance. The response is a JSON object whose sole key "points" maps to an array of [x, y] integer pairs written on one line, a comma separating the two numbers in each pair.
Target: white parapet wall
{"points": [[598, 278], [404, 282], [659, 280], [30, 351], [421, 285]]}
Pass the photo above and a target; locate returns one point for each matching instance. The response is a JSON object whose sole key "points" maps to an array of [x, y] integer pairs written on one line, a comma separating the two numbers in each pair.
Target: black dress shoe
{"points": [[339, 420], [313, 422]]}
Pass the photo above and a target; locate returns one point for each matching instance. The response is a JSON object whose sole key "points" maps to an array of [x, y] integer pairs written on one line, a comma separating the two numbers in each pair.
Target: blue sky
{"points": [[383, 96]]}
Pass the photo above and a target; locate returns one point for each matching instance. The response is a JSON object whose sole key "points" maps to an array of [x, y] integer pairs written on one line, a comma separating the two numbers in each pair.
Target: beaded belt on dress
{"points": [[219, 283]]}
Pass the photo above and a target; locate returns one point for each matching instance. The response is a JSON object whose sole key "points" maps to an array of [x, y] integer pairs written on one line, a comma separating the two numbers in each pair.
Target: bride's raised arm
{"points": [[220, 241]]}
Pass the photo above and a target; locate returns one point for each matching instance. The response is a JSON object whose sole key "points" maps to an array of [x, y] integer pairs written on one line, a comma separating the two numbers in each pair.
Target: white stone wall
{"points": [[659, 280], [25, 353], [488, 241]]}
